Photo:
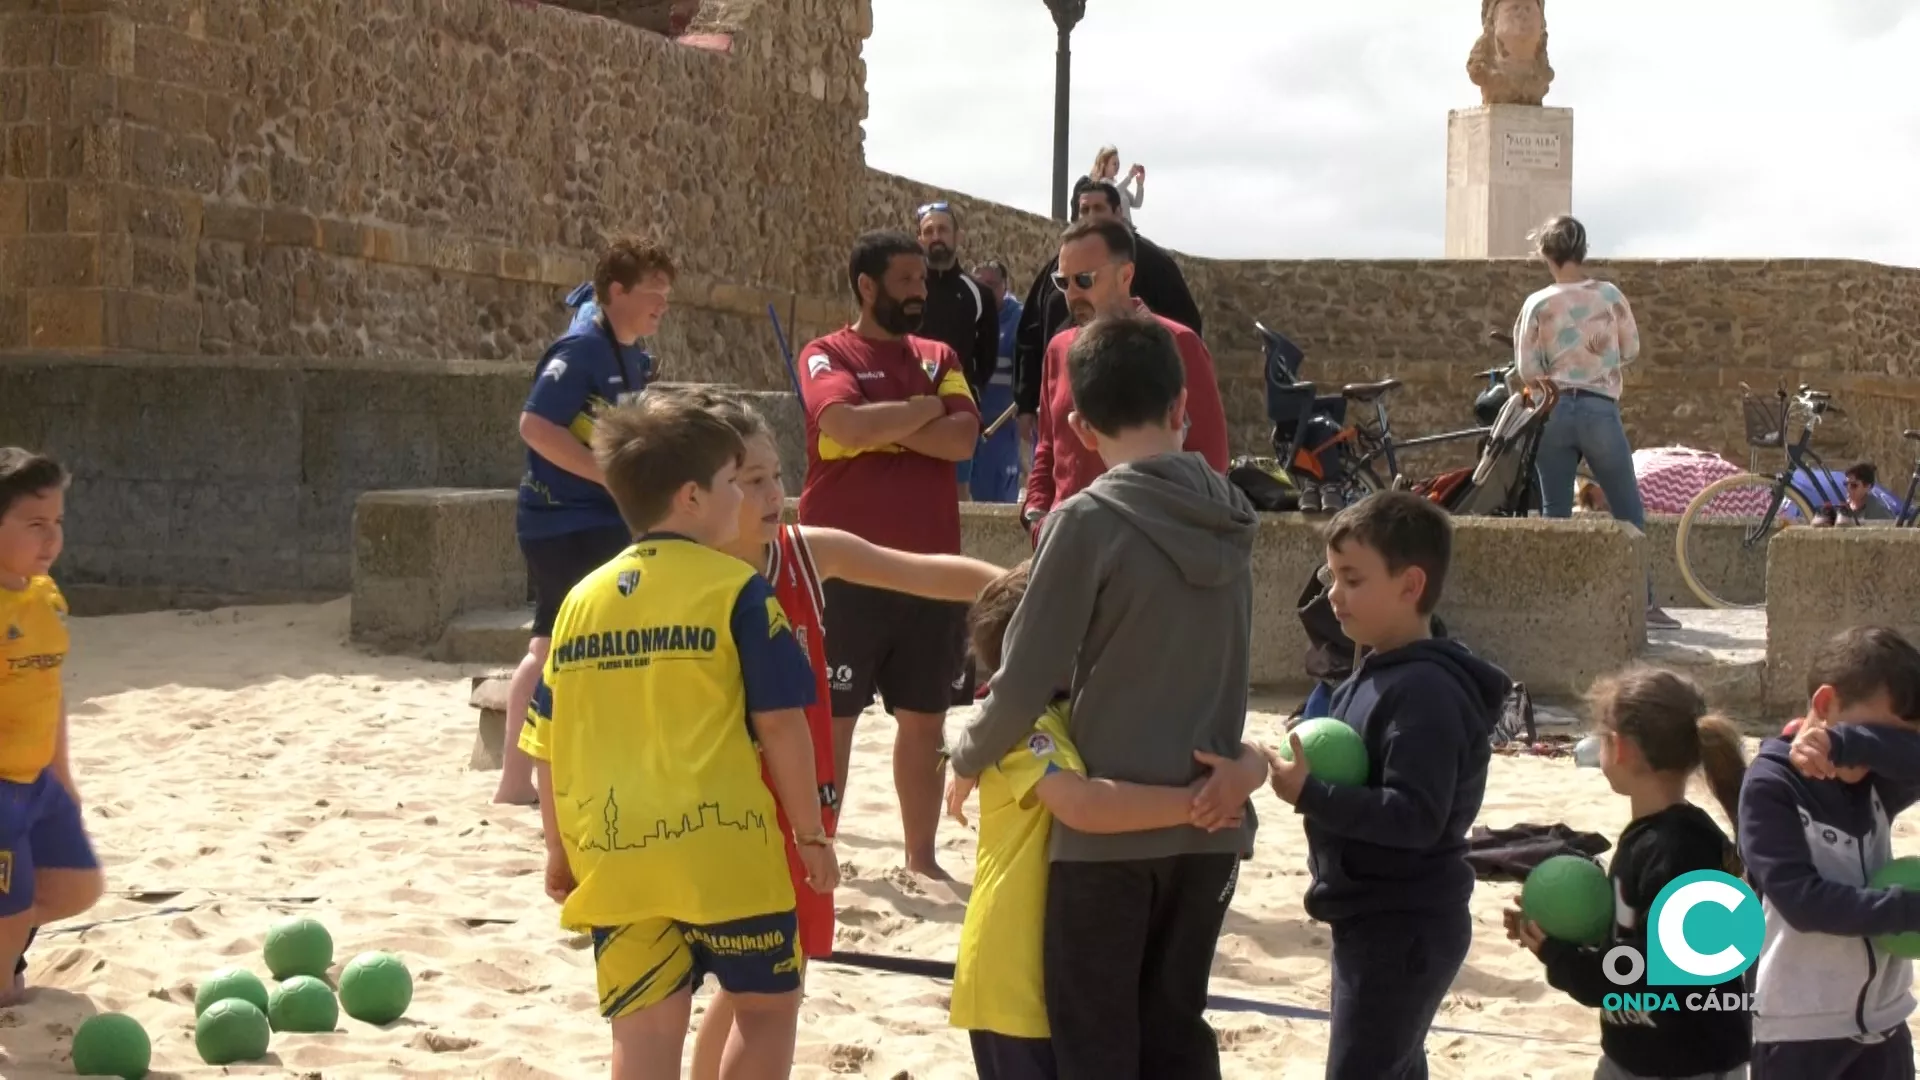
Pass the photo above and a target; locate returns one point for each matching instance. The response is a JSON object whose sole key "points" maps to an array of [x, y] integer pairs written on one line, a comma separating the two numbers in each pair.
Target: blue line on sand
{"points": [[941, 969]]}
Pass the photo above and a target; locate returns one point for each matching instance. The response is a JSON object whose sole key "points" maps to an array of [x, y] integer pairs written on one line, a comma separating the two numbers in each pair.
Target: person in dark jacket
{"points": [[1816, 823], [1655, 733], [1389, 857], [1157, 282], [960, 313]]}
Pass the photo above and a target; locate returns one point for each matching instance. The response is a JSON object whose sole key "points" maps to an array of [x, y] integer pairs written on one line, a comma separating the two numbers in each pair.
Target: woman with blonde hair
{"points": [[1106, 166]]}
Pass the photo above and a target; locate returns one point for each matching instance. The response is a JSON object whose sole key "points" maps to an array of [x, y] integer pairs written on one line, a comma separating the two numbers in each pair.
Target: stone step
{"points": [[1724, 651], [493, 637]]}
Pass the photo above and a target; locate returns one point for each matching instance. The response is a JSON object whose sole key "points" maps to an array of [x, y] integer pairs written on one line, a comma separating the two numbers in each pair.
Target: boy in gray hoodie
{"points": [[1140, 602]]}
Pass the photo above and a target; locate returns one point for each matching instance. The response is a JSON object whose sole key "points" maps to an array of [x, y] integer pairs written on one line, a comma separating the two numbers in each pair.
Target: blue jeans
{"points": [[1586, 426]]}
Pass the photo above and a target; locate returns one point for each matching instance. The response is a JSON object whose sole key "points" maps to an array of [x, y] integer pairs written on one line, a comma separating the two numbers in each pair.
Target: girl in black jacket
{"points": [[1656, 731]]}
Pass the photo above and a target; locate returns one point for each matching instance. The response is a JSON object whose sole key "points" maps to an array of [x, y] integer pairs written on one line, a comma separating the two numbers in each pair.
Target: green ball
{"points": [[298, 946], [229, 1031], [1901, 873], [112, 1044], [1570, 899], [376, 988], [227, 983], [1335, 752], [304, 1004]]}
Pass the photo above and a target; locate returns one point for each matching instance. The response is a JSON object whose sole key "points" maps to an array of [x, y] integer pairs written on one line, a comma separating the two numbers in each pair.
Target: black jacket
{"points": [[1653, 851], [1157, 282], [963, 315], [1399, 843]]}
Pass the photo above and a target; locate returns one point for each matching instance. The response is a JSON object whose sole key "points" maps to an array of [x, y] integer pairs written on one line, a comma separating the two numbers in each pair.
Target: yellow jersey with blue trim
{"points": [[33, 649], [659, 659], [997, 979]]}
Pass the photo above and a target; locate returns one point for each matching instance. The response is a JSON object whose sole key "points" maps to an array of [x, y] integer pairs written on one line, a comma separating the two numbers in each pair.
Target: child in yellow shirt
{"points": [[674, 671], [997, 985], [47, 866]]}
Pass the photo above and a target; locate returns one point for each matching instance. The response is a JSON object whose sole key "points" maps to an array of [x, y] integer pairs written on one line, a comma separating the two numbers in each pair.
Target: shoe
{"points": [[1332, 500], [1658, 619], [1310, 498]]}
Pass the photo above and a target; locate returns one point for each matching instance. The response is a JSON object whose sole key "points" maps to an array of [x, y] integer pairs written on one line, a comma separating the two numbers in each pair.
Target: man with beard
{"points": [[1157, 282], [888, 415], [1094, 275], [960, 314]]}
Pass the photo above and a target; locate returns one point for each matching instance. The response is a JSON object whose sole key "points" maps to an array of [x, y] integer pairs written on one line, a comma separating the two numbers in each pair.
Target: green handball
{"points": [[376, 988], [112, 1044], [299, 946], [303, 1004], [1901, 873], [1570, 899], [229, 983], [1335, 752], [231, 1030]]}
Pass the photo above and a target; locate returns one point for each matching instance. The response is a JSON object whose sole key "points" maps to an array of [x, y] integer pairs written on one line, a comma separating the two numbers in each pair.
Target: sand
{"points": [[246, 764]]}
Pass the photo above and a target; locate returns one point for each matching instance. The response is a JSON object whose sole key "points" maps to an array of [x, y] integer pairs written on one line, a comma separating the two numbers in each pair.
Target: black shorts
{"points": [[1005, 1057], [555, 564], [912, 650]]}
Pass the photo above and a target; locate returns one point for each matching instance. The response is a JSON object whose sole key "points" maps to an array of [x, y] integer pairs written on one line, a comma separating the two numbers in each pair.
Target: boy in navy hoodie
{"points": [[1815, 824], [1390, 874]]}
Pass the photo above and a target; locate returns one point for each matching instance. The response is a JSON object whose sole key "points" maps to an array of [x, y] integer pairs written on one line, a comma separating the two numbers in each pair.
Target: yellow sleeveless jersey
{"points": [[643, 710], [33, 648]]}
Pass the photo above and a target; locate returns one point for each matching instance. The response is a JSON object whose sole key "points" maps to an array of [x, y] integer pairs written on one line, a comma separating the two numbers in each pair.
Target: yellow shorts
{"points": [[644, 963]]}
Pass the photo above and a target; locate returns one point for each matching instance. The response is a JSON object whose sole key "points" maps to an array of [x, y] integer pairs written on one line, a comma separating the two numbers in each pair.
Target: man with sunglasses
{"points": [[1157, 282], [1094, 276], [960, 313]]}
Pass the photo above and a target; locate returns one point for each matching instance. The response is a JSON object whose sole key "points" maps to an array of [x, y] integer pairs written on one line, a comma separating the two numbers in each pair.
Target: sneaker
{"points": [[1332, 500], [1658, 619], [1310, 498]]}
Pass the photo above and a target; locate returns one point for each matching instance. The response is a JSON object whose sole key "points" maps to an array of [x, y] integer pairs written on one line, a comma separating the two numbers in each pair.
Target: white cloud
{"points": [[1282, 128]]}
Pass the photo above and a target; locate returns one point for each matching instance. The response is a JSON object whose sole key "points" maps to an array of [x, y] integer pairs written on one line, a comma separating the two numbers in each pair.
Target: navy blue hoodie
{"points": [[1810, 847], [1399, 844]]}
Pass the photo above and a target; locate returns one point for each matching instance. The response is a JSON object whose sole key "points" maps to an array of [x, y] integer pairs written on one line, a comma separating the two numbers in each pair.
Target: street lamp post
{"points": [[1066, 15]]}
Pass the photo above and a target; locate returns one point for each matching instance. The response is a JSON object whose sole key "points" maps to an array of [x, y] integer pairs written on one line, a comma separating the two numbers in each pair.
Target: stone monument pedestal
{"points": [[1509, 168]]}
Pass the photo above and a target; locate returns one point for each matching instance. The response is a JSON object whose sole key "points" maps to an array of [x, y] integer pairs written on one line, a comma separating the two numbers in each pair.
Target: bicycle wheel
{"points": [[1721, 544]]}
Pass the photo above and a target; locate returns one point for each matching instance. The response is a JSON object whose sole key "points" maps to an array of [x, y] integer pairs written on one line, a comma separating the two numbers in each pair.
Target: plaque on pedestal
{"points": [[1509, 168]]}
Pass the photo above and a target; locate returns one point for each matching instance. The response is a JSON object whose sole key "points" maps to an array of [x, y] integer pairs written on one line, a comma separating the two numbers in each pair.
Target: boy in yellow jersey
{"points": [[997, 984], [668, 664], [47, 866]]}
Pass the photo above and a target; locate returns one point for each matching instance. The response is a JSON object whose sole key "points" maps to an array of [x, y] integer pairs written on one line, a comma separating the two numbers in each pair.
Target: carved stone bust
{"points": [[1509, 62]]}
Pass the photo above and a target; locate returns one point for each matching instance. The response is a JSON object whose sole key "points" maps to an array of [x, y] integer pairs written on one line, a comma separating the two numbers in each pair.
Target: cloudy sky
{"points": [[1290, 128]]}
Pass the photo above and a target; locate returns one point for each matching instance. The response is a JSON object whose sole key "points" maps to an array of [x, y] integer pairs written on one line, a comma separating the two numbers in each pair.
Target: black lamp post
{"points": [[1066, 15]]}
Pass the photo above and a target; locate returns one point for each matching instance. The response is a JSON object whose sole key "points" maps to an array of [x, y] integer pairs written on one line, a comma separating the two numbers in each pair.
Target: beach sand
{"points": [[246, 764]]}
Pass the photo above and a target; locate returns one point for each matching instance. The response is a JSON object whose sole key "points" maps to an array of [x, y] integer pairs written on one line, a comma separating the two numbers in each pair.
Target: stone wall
{"points": [[354, 178], [197, 480], [1823, 581]]}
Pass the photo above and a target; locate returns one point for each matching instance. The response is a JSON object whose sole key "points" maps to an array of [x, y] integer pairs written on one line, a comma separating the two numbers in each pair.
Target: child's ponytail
{"points": [[1724, 761]]}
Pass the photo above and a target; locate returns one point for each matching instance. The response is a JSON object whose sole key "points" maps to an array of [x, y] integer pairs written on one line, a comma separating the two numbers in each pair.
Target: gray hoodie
{"points": [[1140, 599]]}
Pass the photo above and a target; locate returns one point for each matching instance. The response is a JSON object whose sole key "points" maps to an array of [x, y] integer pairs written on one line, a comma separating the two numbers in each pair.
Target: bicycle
{"points": [[1764, 495], [1346, 460]]}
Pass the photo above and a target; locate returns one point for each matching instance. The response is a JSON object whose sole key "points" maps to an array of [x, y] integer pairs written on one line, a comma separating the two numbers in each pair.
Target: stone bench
{"points": [[1821, 581], [1557, 603], [488, 695], [423, 557]]}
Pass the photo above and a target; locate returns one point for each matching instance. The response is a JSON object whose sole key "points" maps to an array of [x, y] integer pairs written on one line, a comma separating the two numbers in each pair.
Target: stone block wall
{"points": [[354, 178], [1822, 581], [215, 478]]}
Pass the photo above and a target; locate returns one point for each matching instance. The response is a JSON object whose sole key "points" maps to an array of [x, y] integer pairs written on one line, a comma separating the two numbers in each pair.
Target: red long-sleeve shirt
{"points": [[1062, 466]]}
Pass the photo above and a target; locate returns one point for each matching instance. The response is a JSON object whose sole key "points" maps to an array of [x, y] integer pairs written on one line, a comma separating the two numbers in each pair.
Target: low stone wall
{"points": [[1725, 564], [423, 558], [419, 563], [1821, 581]]}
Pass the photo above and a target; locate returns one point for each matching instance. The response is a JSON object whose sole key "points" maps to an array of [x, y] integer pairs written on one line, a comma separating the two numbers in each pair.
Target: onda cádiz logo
{"points": [[1704, 929]]}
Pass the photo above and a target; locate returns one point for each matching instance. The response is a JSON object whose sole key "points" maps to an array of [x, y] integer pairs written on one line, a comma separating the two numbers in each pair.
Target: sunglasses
{"points": [[1081, 281], [932, 208]]}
